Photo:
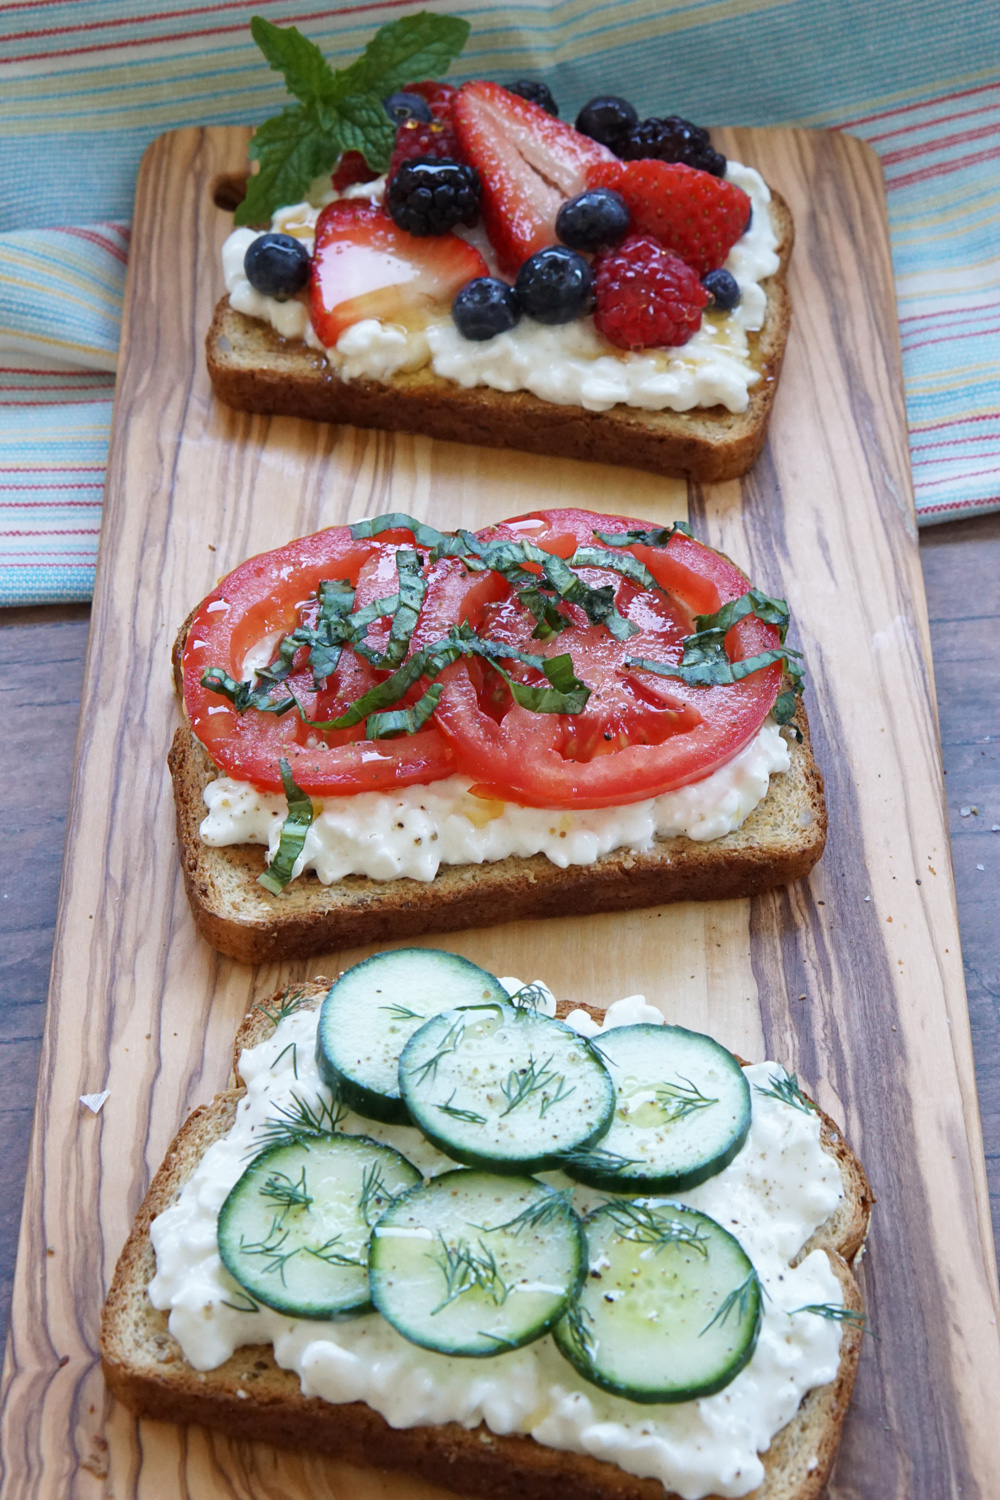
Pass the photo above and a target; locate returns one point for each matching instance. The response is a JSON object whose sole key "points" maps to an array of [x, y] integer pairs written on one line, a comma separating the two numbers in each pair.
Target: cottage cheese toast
{"points": [[251, 1396], [253, 369]]}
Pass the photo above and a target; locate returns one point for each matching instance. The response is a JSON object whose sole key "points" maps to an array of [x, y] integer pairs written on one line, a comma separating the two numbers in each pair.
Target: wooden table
{"points": [[41, 666]]}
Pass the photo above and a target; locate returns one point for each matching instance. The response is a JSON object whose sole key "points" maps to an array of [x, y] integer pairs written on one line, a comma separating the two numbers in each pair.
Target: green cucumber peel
{"points": [[293, 833], [337, 110]]}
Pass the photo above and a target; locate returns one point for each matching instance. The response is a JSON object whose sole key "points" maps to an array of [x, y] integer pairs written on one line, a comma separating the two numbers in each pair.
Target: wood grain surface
{"points": [[880, 1033]]}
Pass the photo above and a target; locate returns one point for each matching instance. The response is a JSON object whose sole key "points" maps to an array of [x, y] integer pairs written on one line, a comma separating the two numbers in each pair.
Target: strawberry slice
{"points": [[529, 163], [697, 216], [365, 267]]}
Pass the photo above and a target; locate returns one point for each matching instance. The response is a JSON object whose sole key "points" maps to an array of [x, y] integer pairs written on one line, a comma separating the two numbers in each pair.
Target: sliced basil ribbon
{"points": [[704, 662], [244, 695], [659, 537], [412, 588], [620, 562], [566, 694], [329, 636], [398, 520], [397, 721], [293, 833]]}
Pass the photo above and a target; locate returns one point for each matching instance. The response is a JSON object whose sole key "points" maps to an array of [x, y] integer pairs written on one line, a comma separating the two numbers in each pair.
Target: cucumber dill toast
{"points": [[682, 1111], [374, 1008], [671, 1309], [474, 1264], [504, 1087], [250, 1396], [294, 1230]]}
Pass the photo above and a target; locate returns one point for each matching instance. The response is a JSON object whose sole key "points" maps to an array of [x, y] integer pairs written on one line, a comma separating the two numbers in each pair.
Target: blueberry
{"points": [[593, 219], [536, 93], [723, 288], [554, 285], [277, 265], [485, 307], [403, 106], [607, 119]]}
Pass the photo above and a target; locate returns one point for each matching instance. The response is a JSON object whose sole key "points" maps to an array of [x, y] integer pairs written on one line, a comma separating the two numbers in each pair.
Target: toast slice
{"points": [[254, 369], [780, 842], [251, 1397]]}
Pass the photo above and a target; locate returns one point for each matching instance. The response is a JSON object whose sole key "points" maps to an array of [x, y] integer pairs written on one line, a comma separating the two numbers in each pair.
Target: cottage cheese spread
{"points": [[569, 365], [778, 1190], [413, 831]]}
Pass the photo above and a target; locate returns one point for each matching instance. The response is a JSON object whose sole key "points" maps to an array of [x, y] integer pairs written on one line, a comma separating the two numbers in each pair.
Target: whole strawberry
{"points": [[698, 216], [645, 295]]}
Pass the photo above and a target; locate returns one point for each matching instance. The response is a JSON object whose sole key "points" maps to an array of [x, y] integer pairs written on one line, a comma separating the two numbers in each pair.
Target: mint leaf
{"points": [[365, 127], [405, 51], [307, 72], [338, 111], [292, 148]]}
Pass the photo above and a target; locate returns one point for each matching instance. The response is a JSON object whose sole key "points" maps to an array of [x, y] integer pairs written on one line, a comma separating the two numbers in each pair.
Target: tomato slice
{"points": [[639, 734], [245, 617]]}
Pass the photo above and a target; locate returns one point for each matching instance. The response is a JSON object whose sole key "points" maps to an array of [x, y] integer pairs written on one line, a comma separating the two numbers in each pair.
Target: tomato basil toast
{"points": [[561, 713], [671, 1311], [489, 273]]}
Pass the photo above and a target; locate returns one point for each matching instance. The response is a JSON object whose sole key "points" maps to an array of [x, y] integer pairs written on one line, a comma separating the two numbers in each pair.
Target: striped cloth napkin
{"points": [[85, 85]]}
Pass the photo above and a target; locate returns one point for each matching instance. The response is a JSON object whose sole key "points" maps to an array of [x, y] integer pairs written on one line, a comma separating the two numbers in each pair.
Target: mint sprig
{"points": [[339, 110]]}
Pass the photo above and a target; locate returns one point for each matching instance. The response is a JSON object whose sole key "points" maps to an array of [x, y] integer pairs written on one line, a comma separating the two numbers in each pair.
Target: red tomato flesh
{"points": [[638, 735]]}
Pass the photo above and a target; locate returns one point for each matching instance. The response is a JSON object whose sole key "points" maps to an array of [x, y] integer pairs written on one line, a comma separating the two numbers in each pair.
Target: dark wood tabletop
{"points": [[42, 654]]}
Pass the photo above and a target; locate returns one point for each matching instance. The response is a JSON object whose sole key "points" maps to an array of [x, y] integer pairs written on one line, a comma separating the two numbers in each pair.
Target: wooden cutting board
{"points": [[854, 978]]}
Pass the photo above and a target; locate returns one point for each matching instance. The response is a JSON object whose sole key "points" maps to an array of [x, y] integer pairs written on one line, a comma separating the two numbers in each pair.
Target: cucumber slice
{"points": [[682, 1111], [294, 1230], [473, 1264], [373, 1009], [505, 1088], [671, 1309]]}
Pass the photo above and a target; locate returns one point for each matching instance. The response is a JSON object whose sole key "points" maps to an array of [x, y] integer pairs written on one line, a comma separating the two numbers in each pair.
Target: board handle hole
{"points": [[228, 190]]}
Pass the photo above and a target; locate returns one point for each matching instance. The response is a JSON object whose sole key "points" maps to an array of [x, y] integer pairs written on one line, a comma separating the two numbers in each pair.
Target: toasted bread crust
{"points": [[253, 369], [251, 1397], [780, 842]]}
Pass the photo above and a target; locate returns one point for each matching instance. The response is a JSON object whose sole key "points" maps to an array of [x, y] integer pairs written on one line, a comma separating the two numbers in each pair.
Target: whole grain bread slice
{"points": [[254, 369], [780, 842], [251, 1397]]}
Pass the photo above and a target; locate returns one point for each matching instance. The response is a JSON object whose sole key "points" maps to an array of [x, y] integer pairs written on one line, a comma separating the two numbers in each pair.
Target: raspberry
{"points": [[672, 139], [646, 295], [419, 138], [438, 96], [353, 168]]}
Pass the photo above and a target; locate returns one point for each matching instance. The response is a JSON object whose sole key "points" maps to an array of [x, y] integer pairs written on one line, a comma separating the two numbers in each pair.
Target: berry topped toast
{"points": [[612, 291]]}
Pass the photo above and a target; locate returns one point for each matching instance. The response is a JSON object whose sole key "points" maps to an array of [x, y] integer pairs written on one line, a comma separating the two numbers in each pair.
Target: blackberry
{"points": [[485, 307], [554, 285], [723, 288], [277, 265], [672, 139], [535, 92], [607, 119], [593, 219], [405, 106], [430, 195]]}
